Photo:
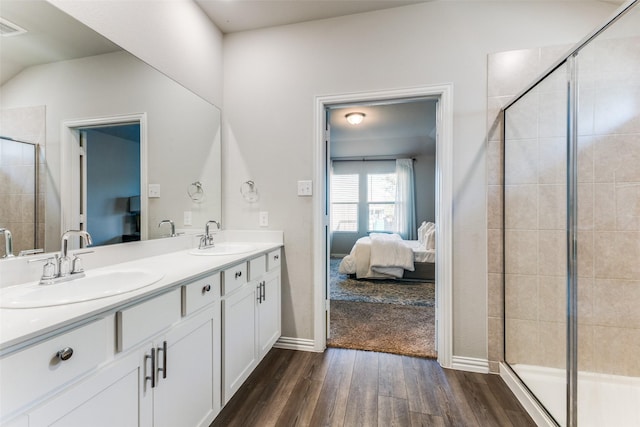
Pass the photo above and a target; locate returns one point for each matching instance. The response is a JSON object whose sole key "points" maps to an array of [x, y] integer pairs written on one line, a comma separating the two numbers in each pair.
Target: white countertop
{"points": [[20, 327]]}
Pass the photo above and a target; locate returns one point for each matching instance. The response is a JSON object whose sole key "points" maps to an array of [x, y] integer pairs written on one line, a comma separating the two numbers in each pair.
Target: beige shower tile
{"points": [[552, 298], [521, 162], [586, 348], [14, 205], [521, 119], [552, 253], [610, 305], [521, 297], [553, 344], [494, 367], [494, 117], [553, 114], [628, 206], [616, 109], [494, 206], [585, 158], [495, 295], [552, 166], [522, 342], [553, 207], [586, 254], [521, 252], [586, 108], [521, 207], [511, 71], [616, 158], [27, 208], [495, 166], [495, 253], [604, 201], [617, 350], [585, 206], [496, 339], [618, 255], [585, 301], [4, 209]]}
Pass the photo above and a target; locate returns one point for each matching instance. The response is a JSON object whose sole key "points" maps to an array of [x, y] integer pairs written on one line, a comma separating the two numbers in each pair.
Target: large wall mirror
{"points": [[94, 138]]}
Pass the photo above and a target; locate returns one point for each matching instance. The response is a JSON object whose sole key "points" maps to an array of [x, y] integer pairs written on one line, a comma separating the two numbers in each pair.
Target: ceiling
{"points": [[234, 15], [401, 129], [241, 15], [51, 36]]}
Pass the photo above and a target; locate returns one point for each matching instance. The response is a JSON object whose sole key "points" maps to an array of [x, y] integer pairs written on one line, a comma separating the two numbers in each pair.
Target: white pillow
{"points": [[430, 240]]}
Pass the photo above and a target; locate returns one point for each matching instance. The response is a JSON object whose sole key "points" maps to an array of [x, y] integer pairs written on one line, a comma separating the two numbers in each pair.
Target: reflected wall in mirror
{"points": [[84, 80]]}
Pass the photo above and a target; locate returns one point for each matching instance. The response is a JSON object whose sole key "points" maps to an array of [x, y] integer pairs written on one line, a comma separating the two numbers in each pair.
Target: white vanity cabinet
{"points": [[251, 319]]}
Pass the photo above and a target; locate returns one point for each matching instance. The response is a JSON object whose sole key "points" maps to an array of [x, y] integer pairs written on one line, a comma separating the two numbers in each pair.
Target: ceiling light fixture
{"points": [[355, 118]]}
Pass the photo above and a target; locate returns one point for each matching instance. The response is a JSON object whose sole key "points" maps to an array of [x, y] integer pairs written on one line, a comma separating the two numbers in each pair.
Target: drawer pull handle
{"points": [[153, 367], [276, 257], [163, 349], [205, 289], [65, 353], [238, 274]]}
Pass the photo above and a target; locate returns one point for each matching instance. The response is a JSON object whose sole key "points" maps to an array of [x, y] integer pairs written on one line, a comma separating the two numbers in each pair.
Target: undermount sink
{"points": [[224, 249], [95, 285]]}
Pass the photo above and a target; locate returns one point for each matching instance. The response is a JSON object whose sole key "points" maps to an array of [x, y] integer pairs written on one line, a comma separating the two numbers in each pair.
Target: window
{"points": [[344, 202], [381, 197]]}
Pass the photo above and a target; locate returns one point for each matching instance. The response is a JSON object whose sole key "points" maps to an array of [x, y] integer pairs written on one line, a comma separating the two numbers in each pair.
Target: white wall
{"points": [[273, 75], [176, 37]]}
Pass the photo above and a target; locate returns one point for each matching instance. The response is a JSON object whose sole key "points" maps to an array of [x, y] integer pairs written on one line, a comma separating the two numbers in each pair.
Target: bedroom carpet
{"points": [[344, 288], [388, 328], [382, 315]]}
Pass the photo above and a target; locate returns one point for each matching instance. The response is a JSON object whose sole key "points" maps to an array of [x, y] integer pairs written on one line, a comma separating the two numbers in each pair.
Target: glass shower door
{"points": [[535, 240]]}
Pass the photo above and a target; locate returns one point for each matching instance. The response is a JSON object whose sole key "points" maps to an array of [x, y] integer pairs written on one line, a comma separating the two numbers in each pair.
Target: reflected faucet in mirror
{"points": [[206, 241], [173, 227], [8, 243]]}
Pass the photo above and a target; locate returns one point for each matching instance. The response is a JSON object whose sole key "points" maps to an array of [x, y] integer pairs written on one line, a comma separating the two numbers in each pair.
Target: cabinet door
{"points": [[269, 314], [184, 392], [106, 399], [238, 337]]}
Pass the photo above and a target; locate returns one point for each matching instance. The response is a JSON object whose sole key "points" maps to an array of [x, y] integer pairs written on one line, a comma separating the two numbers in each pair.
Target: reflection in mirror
{"points": [[80, 83]]}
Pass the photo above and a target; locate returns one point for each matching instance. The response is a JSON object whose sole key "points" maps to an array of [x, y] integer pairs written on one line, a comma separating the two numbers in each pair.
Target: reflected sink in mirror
{"points": [[224, 249], [95, 285]]}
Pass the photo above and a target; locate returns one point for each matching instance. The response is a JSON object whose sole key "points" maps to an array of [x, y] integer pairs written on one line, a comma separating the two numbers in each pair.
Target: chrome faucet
{"points": [[8, 243], [60, 268], [173, 227], [206, 241]]}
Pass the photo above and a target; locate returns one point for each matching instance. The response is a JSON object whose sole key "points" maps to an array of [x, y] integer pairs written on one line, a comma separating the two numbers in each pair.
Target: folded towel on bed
{"points": [[389, 255]]}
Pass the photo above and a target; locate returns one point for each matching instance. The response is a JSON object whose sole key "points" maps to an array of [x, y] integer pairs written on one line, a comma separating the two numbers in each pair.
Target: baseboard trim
{"points": [[530, 404], [470, 364], [301, 344]]}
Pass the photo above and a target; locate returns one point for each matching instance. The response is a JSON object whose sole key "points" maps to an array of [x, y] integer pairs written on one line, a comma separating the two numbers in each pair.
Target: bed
{"points": [[388, 256]]}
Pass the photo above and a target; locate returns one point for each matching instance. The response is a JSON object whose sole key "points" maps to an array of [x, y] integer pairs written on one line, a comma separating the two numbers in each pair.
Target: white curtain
{"points": [[405, 200]]}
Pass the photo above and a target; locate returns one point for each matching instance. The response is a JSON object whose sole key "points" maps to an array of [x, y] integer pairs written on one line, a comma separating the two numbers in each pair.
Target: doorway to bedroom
{"points": [[381, 202]]}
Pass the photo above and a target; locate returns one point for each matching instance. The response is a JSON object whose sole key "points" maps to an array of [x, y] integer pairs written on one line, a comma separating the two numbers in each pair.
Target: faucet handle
{"points": [[76, 262], [49, 270]]}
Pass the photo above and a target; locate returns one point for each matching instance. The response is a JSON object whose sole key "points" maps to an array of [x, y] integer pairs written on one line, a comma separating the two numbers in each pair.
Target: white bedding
{"points": [[383, 256]]}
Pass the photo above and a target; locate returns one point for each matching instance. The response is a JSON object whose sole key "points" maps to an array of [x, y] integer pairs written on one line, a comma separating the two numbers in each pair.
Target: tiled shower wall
{"points": [[17, 175], [608, 211]]}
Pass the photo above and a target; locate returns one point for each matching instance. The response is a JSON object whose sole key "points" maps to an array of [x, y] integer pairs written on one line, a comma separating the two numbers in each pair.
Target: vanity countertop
{"points": [[20, 327]]}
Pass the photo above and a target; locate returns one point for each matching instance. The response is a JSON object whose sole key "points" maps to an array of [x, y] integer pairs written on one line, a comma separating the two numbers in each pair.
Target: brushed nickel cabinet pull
{"points": [[163, 349], [65, 353], [238, 274], [276, 257], [259, 289], [205, 289], [264, 290]]}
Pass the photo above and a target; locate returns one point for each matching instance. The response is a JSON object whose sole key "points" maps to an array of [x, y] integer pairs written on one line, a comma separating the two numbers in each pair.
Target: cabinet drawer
{"points": [[28, 374], [257, 267], [141, 321], [196, 295], [234, 277], [273, 259]]}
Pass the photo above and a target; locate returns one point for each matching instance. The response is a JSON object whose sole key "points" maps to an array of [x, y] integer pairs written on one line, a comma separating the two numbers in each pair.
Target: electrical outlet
{"points": [[264, 219], [154, 190], [305, 188], [187, 218]]}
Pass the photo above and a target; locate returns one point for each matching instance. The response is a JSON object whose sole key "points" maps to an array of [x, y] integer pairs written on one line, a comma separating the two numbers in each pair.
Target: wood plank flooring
{"points": [[359, 388]]}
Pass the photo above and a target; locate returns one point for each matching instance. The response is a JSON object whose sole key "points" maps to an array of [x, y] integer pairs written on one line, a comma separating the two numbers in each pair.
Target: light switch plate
{"points": [[264, 219], [154, 190], [305, 188]]}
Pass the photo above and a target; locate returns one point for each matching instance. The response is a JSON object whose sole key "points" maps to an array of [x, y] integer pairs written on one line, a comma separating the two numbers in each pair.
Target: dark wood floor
{"points": [[359, 388]]}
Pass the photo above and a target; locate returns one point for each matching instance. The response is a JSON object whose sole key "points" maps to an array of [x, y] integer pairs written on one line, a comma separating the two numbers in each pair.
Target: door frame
{"points": [[69, 151], [444, 208]]}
